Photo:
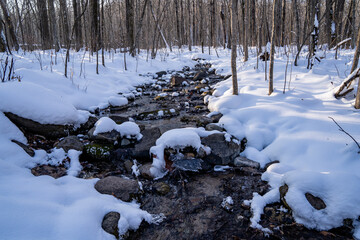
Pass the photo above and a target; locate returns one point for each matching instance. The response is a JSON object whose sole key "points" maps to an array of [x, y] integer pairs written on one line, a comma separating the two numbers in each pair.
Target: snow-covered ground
{"points": [[293, 128]]}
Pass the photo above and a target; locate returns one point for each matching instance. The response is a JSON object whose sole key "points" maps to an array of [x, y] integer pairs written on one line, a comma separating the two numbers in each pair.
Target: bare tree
{"points": [[272, 48], [9, 25], [233, 47], [53, 25]]}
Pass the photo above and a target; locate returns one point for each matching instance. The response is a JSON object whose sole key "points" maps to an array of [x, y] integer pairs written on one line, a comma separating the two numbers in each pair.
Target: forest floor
{"points": [[278, 166]]}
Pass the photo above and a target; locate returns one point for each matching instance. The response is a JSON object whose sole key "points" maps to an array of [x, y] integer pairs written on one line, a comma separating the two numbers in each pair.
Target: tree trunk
{"points": [[129, 4], [20, 22], [328, 21], [338, 14], [2, 40], [272, 48], [65, 22], [252, 16], [178, 35], [356, 54], [9, 25], [283, 20], [53, 25], [77, 26], [233, 46], [201, 25], [94, 24]]}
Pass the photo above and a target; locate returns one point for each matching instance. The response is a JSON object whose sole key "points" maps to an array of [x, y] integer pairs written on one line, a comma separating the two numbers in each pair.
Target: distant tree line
{"points": [[131, 25]]}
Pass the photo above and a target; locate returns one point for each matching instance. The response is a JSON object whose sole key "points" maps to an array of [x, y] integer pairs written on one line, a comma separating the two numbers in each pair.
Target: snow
{"points": [[47, 208], [68, 207], [126, 129], [42, 105], [294, 129]]}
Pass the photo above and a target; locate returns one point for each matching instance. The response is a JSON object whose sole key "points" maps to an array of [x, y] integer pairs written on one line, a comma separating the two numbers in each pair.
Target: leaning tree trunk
{"points": [[272, 48], [233, 47], [9, 25]]}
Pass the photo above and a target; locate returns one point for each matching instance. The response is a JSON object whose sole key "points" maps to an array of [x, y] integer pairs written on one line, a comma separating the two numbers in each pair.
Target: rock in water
{"points": [[316, 202], [245, 162], [124, 189], [70, 142], [191, 164], [161, 188], [222, 152], [110, 223], [109, 137], [177, 81], [200, 76], [141, 149], [161, 73]]}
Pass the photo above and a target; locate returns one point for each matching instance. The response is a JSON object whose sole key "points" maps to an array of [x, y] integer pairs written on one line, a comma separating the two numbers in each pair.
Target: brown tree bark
{"points": [[53, 25], [9, 25], [65, 21], [129, 4], [77, 26]]}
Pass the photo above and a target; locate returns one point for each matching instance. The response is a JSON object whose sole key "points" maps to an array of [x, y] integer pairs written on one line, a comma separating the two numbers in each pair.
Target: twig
{"points": [[342, 130]]}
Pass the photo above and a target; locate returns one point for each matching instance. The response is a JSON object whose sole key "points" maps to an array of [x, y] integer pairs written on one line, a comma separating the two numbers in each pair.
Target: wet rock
{"points": [[316, 202], [125, 142], [108, 137], [216, 117], [145, 171], [161, 188], [88, 124], [26, 148], [161, 73], [110, 223], [222, 152], [124, 189], [176, 81], [141, 149], [186, 163], [200, 76], [213, 126], [97, 151], [53, 171], [46, 130], [245, 162], [70, 142], [120, 155], [128, 166], [119, 119], [157, 114]]}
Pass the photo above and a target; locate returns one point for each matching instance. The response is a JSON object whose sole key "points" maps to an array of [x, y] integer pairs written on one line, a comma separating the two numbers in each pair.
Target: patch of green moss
{"points": [[98, 151]]}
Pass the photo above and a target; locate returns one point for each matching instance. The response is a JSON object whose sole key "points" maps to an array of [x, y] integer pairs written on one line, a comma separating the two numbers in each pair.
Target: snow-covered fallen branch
{"points": [[346, 82]]}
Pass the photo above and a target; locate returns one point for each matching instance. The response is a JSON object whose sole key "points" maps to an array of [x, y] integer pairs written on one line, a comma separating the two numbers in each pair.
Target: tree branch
{"points": [[342, 130]]}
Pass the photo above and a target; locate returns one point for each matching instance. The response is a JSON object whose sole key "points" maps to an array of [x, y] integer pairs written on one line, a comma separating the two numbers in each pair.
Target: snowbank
{"points": [[32, 101], [294, 128]]}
